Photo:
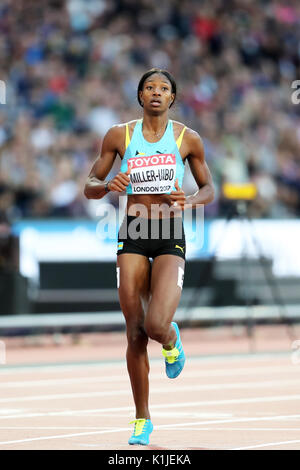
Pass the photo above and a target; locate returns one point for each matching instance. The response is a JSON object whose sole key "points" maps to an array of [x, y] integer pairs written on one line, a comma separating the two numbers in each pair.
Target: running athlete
{"points": [[153, 151]]}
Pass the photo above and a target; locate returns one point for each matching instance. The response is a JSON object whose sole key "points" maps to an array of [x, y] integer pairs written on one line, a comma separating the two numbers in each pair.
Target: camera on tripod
{"points": [[239, 192], [237, 197]]}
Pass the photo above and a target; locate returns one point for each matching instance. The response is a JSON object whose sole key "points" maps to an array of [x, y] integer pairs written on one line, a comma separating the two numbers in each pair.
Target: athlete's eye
{"points": [[149, 87], [165, 88]]}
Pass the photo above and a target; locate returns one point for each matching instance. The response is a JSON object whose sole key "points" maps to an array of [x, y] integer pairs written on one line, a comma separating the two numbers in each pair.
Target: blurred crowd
{"points": [[71, 70]]}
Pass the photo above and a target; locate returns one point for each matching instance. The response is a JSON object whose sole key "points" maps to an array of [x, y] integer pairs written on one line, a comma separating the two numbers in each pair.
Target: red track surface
{"points": [[232, 394]]}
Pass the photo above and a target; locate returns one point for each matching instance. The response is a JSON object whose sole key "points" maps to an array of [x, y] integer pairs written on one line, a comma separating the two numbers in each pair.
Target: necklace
{"points": [[161, 131], [157, 134]]}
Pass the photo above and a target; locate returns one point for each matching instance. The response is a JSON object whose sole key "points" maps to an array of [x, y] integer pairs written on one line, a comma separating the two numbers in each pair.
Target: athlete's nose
{"points": [[156, 91]]}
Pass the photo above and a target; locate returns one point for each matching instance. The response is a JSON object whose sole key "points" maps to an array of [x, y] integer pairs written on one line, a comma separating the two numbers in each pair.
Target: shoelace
{"points": [[171, 355], [138, 425]]}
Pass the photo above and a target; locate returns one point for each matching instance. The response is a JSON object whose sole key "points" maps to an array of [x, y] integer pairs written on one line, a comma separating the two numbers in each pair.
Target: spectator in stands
{"points": [[71, 69]]}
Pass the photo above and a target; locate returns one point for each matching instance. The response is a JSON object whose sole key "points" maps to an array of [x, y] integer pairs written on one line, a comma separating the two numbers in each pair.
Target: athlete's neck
{"points": [[155, 124]]}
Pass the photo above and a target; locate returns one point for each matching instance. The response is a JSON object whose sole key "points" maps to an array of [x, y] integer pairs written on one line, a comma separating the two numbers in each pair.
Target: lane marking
{"points": [[109, 363], [174, 427], [153, 376], [4, 411], [267, 445], [61, 367], [59, 427], [184, 388], [118, 445], [72, 381], [206, 403], [113, 427], [63, 436], [241, 429]]}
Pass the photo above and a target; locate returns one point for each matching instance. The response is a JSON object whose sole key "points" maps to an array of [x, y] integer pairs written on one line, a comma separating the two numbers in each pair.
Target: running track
{"points": [[233, 393]]}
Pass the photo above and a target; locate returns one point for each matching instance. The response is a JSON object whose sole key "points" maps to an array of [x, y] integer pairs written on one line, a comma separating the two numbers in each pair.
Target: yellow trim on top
{"points": [[127, 138], [179, 140]]}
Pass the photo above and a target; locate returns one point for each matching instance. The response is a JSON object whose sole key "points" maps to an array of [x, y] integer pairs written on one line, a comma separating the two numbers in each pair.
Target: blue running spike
{"points": [[174, 358], [142, 430]]}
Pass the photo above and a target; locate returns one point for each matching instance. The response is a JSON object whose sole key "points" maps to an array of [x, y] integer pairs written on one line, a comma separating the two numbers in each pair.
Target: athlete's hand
{"points": [[120, 182], [177, 197]]}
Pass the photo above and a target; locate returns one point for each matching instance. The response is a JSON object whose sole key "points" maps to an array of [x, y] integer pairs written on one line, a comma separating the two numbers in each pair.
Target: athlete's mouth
{"points": [[155, 102]]}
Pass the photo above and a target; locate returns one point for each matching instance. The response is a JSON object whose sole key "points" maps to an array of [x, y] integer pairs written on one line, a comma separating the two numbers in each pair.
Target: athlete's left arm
{"points": [[196, 158]]}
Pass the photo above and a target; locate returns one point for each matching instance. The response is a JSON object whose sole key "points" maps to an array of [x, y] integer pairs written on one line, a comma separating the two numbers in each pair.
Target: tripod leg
{"points": [[271, 280], [203, 278], [250, 323]]}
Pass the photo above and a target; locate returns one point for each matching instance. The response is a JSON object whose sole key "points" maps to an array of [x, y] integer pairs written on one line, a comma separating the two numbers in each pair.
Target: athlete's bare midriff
{"points": [[150, 206]]}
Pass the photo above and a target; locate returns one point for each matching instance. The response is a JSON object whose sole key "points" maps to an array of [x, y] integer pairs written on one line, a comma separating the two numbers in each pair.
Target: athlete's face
{"points": [[157, 93]]}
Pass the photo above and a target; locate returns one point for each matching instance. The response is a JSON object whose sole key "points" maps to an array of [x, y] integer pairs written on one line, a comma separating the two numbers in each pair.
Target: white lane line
{"points": [[5, 411], [174, 427], [60, 368], [231, 420], [240, 429], [113, 427], [45, 368], [77, 380], [64, 436], [184, 388], [103, 448], [193, 404], [269, 444], [189, 414], [59, 427], [124, 377]]}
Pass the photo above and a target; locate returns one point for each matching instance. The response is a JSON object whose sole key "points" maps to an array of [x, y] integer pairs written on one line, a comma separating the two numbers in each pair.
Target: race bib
{"points": [[153, 174]]}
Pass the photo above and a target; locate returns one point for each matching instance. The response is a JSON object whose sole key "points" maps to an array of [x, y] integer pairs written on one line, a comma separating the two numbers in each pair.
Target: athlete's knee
{"points": [[157, 330], [137, 338]]}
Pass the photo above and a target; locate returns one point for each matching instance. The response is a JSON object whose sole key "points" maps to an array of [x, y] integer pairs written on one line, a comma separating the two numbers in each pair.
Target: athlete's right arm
{"points": [[95, 185]]}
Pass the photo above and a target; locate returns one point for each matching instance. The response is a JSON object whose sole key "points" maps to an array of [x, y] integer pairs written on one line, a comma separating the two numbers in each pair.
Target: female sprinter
{"points": [[153, 151]]}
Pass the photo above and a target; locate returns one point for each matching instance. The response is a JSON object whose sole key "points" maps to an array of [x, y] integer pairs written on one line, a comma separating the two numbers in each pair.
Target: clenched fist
{"points": [[120, 182], [177, 198]]}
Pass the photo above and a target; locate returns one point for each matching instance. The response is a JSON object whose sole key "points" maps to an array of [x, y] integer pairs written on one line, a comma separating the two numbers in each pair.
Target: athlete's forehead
{"points": [[158, 77]]}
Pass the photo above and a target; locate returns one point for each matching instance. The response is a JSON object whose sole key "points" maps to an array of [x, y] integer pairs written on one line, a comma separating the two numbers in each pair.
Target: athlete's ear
{"points": [[141, 99]]}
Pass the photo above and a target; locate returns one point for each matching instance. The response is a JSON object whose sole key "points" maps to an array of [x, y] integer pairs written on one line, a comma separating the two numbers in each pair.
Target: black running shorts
{"points": [[151, 237]]}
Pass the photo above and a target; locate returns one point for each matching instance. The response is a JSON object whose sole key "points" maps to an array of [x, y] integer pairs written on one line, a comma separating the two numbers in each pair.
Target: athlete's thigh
{"points": [[166, 286], [133, 281]]}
